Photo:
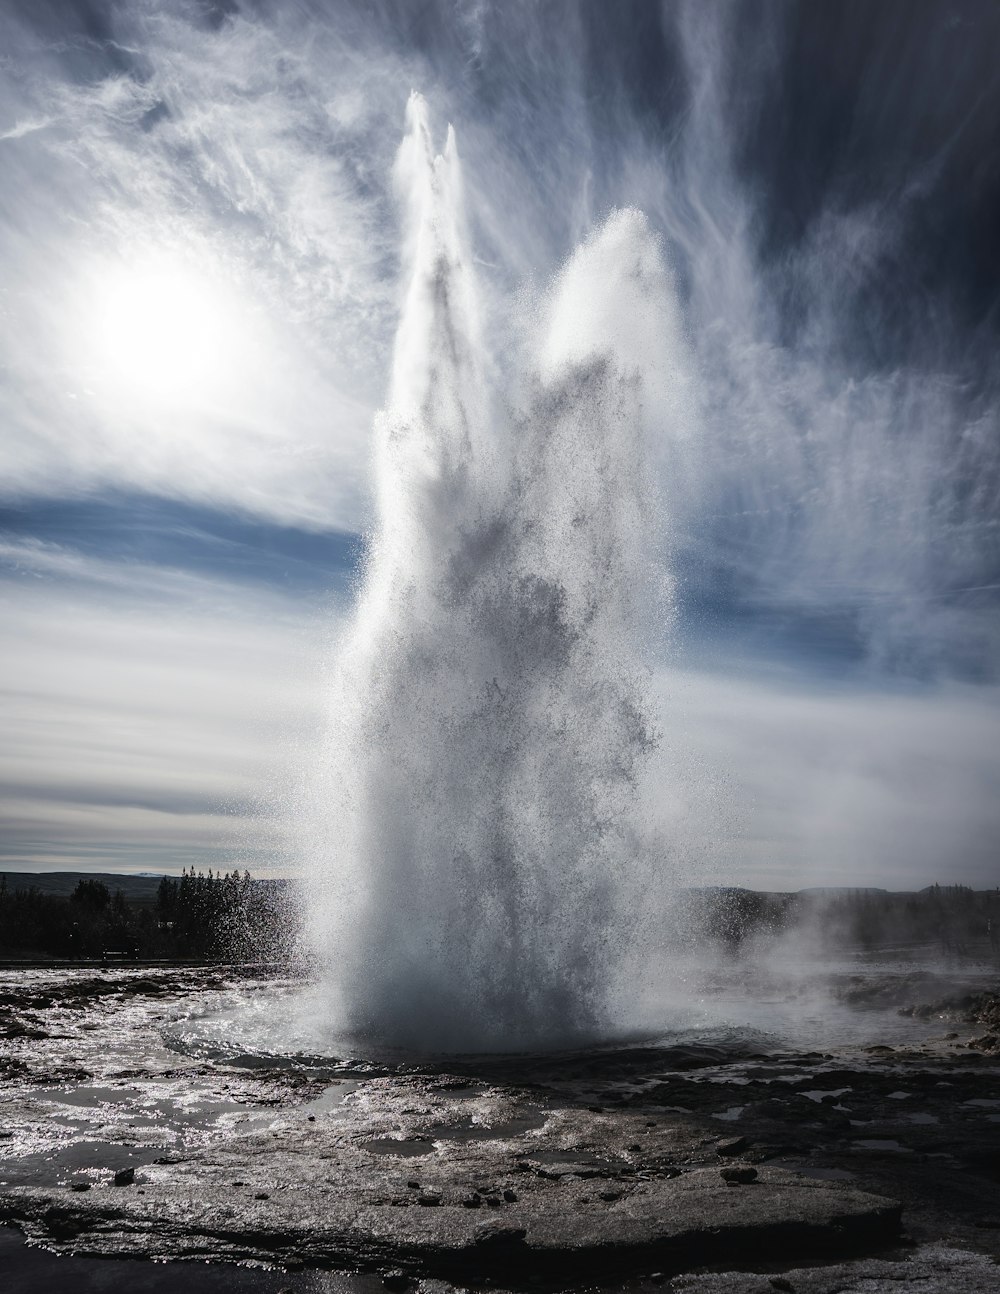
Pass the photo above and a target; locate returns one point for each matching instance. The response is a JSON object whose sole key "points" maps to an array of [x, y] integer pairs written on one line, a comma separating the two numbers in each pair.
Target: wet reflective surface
{"points": [[26, 1270], [129, 1086]]}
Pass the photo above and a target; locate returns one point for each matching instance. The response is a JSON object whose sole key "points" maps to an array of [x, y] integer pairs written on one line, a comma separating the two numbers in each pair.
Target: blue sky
{"points": [[199, 259]]}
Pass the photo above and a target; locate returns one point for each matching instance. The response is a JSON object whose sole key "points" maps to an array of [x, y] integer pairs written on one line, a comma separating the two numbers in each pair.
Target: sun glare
{"points": [[164, 332]]}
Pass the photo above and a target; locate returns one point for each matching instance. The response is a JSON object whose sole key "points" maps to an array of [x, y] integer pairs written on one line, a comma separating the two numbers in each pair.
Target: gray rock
{"points": [[930, 1269], [348, 1219]]}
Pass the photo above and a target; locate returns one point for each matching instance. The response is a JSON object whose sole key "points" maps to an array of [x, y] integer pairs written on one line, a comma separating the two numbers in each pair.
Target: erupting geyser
{"points": [[489, 717]]}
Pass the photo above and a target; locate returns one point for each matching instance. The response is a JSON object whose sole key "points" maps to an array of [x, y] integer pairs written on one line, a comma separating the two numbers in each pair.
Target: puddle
{"points": [[818, 1093], [468, 1130], [332, 1100], [202, 1111], [821, 1174], [730, 1115], [90, 1097], [880, 1143], [89, 1158], [36, 1271]]}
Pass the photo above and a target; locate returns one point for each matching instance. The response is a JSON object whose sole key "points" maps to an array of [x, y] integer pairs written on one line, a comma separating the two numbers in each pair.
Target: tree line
{"points": [[953, 919], [214, 917]]}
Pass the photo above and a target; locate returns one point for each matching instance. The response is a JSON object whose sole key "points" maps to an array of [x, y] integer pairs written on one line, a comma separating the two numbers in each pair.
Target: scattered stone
{"points": [[125, 1177], [79, 1186], [473, 1201], [510, 1197], [262, 1195], [733, 1146], [430, 1199], [397, 1280], [738, 1176], [780, 1283], [413, 1186]]}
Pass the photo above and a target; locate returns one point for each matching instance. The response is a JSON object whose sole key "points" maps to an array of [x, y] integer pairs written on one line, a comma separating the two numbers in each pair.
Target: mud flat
{"points": [[748, 1165]]}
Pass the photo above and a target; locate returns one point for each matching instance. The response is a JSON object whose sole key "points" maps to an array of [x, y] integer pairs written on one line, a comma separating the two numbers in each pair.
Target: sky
{"points": [[199, 285]]}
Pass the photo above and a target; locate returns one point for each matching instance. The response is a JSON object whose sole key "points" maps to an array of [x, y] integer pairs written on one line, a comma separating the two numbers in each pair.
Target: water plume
{"points": [[489, 712]]}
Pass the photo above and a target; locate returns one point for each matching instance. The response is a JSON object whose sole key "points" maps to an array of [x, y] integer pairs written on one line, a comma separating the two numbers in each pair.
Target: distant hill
{"points": [[846, 889], [137, 889]]}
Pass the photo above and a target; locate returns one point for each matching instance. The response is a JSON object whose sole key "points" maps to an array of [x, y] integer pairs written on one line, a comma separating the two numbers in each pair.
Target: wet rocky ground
{"points": [[743, 1166]]}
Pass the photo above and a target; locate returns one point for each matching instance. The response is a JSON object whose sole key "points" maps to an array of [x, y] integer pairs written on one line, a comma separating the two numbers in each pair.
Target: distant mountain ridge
{"points": [[137, 889]]}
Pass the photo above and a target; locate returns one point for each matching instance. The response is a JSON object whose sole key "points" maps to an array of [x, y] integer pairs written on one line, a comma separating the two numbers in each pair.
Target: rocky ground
{"points": [[695, 1168]]}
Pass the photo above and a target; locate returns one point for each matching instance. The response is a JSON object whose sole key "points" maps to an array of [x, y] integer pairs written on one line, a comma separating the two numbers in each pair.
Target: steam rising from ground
{"points": [[490, 714]]}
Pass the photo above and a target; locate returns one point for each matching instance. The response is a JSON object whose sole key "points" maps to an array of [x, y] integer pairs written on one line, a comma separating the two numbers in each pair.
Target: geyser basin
{"points": [[741, 1009], [557, 1167], [472, 887]]}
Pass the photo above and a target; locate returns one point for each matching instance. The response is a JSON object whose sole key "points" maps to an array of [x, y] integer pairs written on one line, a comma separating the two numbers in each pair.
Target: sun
{"points": [[165, 331]]}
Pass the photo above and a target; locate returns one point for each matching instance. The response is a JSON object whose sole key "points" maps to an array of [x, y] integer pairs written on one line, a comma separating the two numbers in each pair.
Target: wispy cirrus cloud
{"points": [[828, 442], [250, 160]]}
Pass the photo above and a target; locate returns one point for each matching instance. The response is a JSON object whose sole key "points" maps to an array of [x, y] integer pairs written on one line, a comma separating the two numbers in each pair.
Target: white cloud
{"points": [[151, 718], [155, 718], [782, 782], [232, 160]]}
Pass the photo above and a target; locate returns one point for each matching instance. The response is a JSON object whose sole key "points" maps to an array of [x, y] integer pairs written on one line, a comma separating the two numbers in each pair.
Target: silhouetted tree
{"points": [[90, 894]]}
